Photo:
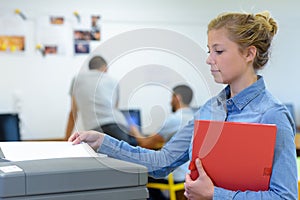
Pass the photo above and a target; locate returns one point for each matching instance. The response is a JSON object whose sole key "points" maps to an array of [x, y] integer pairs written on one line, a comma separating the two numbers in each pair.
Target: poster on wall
{"points": [[51, 49], [95, 27], [12, 44], [86, 34], [52, 35], [82, 48], [13, 36], [57, 20]]}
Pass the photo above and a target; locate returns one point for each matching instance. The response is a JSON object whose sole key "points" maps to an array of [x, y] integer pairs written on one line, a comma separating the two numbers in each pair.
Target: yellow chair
{"points": [[171, 186], [298, 190], [298, 165]]}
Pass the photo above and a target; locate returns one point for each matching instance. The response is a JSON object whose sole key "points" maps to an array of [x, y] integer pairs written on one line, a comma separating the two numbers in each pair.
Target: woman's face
{"points": [[228, 64]]}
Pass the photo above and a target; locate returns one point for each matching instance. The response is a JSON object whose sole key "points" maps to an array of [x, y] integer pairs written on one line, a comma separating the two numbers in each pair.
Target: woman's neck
{"points": [[238, 86]]}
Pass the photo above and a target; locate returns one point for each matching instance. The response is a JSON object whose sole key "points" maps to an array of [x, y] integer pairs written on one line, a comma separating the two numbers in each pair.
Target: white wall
{"points": [[38, 87]]}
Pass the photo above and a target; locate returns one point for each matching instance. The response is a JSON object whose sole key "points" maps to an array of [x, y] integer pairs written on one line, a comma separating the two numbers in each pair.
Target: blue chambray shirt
{"points": [[253, 104]]}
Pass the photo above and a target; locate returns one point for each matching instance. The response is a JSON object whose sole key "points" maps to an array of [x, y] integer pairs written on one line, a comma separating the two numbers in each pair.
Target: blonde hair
{"points": [[249, 30]]}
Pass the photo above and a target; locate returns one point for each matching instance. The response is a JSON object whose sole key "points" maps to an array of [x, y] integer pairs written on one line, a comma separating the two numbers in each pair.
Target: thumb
{"points": [[200, 168]]}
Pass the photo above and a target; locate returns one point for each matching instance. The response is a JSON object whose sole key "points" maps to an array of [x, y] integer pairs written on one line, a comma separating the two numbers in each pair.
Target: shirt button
{"points": [[229, 102]]}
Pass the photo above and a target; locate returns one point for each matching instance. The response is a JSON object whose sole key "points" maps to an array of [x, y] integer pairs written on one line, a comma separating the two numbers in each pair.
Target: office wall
{"points": [[37, 87]]}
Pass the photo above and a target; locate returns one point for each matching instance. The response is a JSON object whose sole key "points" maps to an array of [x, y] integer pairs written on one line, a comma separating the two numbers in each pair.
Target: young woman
{"points": [[239, 46]]}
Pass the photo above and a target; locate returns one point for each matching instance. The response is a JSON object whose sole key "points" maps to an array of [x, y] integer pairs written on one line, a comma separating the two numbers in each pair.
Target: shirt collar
{"points": [[245, 96]]}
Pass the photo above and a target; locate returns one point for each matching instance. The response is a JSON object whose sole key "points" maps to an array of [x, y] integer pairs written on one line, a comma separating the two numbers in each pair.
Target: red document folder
{"points": [[235, 155]]}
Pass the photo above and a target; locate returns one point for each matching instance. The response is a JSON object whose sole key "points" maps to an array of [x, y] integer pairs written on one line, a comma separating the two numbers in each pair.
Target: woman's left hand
{"points": [[200, 189]]}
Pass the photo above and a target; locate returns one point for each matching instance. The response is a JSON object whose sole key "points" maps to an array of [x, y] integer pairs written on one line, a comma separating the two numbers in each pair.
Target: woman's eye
{"points": [[219, 52]]}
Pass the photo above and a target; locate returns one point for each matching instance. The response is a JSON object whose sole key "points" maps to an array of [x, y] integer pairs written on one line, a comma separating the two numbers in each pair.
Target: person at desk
{"points": [[182, 96], [238, 46], [95, 94]]}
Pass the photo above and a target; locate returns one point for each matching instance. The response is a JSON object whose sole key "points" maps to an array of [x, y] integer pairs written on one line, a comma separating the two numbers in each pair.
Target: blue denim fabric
{"points": [[254, 104]]}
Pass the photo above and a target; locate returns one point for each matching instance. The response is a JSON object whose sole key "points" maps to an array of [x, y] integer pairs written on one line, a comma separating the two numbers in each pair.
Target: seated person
{"points": [[181, 99]]}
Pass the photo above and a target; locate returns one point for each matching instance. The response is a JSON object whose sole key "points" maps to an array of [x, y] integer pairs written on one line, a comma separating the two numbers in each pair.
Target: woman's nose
{"points": [[209, 60]]}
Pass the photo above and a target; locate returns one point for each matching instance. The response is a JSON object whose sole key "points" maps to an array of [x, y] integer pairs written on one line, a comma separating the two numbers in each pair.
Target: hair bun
{"points": [[267, 21]]}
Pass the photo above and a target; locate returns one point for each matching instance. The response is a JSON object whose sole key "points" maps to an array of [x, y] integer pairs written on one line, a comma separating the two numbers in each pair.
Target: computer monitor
{"points": [[9, 127], [133, 117]]}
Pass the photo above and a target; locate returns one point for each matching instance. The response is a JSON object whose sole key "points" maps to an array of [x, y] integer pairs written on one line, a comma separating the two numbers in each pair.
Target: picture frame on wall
{"points": [[82, 48], [12, 43]]}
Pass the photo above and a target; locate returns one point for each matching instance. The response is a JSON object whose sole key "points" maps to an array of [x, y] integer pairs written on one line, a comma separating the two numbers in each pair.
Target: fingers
{"points": [[188, 178], [134, 131], [133, 128], [200, 169], [186, 194], [200, 188], [187, 183], [76, 138], [73, 137]]}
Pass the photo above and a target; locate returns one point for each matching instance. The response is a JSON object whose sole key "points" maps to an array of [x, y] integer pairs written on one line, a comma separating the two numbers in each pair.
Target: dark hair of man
{"points": [[97, 62], [185, 92]]}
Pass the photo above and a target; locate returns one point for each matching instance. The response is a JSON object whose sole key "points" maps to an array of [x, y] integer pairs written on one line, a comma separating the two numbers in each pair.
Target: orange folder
{"points": [[235, 155]]}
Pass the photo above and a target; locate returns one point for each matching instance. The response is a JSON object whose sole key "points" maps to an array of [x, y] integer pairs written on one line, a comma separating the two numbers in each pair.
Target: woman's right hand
{"points": [[92, 138]]}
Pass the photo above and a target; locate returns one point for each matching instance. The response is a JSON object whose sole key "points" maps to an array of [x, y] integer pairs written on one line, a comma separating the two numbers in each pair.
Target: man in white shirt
{"points": [[95, 94]]}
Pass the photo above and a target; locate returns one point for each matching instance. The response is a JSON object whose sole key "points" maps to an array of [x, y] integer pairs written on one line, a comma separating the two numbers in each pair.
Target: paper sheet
{"points": [[19, 151]]}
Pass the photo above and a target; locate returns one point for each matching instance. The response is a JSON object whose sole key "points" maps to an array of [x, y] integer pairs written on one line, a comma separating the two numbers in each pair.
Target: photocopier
{"points": [[83, 178]]}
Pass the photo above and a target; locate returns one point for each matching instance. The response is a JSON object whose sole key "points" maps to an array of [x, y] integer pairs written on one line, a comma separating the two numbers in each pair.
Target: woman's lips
{"points": [[214, 70]]}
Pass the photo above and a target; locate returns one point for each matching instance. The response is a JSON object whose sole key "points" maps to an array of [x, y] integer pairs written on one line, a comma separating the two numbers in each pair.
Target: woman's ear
{"points": [[250, 53]]}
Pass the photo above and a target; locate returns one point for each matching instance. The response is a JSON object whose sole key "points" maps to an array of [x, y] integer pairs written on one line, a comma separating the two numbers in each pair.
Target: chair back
{"points": [[171, 186]]}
